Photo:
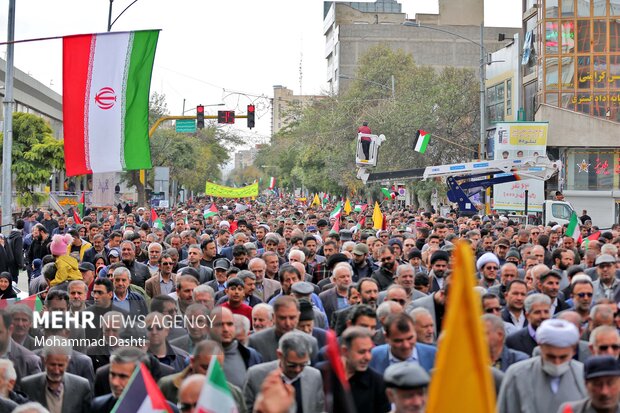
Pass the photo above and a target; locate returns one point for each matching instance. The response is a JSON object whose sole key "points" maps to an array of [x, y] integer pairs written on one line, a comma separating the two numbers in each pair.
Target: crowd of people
{"points": [[261, 287]]}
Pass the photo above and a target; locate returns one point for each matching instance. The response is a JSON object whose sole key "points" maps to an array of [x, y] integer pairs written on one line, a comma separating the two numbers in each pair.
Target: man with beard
{"points": [[139, 272], [439, 266], [194, 256], [362, 266], [40, 246], [562, 259], [56, 389], [385, 274], [368, 289], [272, 263], [549, 284]]}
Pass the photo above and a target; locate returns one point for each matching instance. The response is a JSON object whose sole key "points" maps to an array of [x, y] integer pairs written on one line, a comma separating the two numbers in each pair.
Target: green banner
{"points": [[220, 191]]}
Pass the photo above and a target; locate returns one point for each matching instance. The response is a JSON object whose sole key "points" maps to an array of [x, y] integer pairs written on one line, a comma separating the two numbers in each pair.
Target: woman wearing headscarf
{"points": [[6, 286]]}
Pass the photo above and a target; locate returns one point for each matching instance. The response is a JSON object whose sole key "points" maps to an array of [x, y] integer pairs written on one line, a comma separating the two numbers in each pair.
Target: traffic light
{"points": [[200, 117], [251, 113]]}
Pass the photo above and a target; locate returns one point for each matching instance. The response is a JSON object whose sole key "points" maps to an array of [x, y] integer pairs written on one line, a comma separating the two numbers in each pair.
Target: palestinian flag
{"points": [[389, 195], [81, 205], [336, 227], [212, 211], [573, 229], [155, 221], [336, 212], [272, 183], [106, 82], [76, 217], [422, 140], [337, 368], [360, 224], [141, 395], [360, 208], [215, 395], [593, 237], [33, 302]]}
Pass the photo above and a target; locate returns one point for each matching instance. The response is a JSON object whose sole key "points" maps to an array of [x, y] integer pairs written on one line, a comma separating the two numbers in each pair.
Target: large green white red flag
{"points": [[106, 82], [215, 396], [573, 229]]}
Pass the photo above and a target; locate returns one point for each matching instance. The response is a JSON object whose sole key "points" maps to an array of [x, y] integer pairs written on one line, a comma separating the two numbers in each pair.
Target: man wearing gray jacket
{"points": [[294, 362]]}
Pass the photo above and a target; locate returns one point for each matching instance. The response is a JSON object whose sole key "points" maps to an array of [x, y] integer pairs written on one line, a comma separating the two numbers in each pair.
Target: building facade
{"points": [[351, 28], [571, 78], [286, 106]]}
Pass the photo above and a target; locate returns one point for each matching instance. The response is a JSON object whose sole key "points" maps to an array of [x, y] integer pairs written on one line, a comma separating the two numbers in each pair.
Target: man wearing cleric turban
{"points": [[543, 383]]}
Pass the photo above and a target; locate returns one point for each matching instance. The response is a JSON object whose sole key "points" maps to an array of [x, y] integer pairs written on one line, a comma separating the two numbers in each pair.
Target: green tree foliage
{"points": [[35, 156], [318, 149]]}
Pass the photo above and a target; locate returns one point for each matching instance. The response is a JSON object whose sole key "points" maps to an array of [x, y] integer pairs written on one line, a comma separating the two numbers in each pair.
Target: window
{"points": [[590, 169], [583, 36], [495, 103], [509, 97], [599, 36], [551, 7], [583, 8], [600, 7], [568, 8], [561, 211]]}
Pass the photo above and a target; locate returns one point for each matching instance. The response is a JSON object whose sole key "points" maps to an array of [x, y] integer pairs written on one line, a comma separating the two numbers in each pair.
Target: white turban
{"points": [[485, 259], [557, 333]]}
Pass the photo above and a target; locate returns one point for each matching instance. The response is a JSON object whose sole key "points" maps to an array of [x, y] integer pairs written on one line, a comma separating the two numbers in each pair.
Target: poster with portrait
{"points": [[519, 140]]}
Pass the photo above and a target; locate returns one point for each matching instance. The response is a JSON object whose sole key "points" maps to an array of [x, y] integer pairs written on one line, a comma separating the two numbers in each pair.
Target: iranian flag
{"points": [[573, 229], [336, 212], [106, 81], [155, 220], [272, 183], [212, 211], [325, 198], [215, 395], [422, 140]]}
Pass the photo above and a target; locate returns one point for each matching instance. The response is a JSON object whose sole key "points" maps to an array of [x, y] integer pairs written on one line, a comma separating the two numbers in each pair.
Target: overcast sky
{"points": [[230, 51]]}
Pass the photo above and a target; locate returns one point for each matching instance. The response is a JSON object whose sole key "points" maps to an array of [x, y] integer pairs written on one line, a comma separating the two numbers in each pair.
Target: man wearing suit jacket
{"points": [[336, 297], [123, 363], [55, 389], [401, 345], [286, 311], [25, 361], [164, 280], [549, 284], [293, 358], [265, 287], [502, 357], [537, 309]]}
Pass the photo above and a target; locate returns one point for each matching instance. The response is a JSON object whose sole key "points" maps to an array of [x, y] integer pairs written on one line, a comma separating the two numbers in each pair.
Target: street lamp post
{"points": [[482, 149], [110, 22], [373, 82]]}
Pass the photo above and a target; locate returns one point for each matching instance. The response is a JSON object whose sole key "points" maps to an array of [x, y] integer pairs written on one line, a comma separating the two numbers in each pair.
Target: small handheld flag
{"points": [[422, 140]]}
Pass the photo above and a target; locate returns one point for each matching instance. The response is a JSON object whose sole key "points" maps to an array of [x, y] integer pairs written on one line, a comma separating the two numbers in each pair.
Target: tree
{"points": [[318, 149], [36, 154]]}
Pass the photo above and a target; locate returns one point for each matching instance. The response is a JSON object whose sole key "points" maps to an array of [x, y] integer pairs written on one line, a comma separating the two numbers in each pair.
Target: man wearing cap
{"points": [[487, 266], [543, 383], [602, 376], [407, 386], [385, 274], [361, 265], [220, 268], [501, 250], [607, 285]]}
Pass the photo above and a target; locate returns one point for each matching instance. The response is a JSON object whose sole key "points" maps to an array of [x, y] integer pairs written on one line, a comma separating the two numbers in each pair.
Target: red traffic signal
{"points": [[200, 117], [251, 114]]}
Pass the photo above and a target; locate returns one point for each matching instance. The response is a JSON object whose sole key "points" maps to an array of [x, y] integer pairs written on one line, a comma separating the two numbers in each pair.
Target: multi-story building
{"points": [[245, 158], [450, 38], [571, 78], [286, 106]]}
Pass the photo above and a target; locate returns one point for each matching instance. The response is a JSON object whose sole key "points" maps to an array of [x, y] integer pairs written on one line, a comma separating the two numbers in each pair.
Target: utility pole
{"points": [[7, 141], [483, 128]]}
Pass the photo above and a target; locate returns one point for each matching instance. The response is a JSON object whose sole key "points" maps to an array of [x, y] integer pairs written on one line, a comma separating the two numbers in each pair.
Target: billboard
{"points": [[519, 140]]}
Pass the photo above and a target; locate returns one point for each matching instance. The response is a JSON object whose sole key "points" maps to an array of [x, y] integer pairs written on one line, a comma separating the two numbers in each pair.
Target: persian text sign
{"points": [[220, 191]]}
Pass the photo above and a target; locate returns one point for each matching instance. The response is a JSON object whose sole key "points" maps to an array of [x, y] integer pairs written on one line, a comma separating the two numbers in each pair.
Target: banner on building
{"points": [[220, 191], [103, 189], [519, 140]]}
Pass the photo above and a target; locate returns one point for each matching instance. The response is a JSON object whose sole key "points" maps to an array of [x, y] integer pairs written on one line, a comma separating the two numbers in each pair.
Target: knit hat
{"points": [[59, 244]]}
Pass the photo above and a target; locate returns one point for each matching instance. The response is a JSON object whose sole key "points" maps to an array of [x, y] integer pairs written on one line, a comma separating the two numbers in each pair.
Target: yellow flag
{"points": [[377, 217], [462, 368], [347, 207], [316, 201]]}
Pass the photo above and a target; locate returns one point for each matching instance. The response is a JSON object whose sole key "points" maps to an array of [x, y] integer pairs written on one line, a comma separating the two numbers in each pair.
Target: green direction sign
{"points": [[186, 126]]}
